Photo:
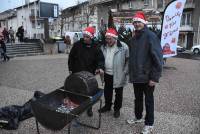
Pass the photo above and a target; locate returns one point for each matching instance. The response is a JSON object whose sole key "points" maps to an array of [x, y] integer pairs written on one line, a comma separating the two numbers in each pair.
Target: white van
{"points": [[72, 36]]}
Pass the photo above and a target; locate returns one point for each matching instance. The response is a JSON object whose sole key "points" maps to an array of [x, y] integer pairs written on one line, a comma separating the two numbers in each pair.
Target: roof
{"points": [[26, 5], [75, 6]]}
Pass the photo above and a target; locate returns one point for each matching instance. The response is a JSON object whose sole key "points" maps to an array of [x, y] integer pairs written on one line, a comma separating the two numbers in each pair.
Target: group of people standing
{"points": [[141, 59], [9, 35]]}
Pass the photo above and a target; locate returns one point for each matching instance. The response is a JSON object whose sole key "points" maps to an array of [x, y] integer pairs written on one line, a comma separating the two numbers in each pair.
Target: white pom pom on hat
{"points": [[89, 31], [139, 16], [111, 32]]}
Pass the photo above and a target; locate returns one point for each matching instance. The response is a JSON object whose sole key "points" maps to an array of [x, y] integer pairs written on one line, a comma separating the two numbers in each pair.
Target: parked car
{"points": [[180, 49], [196, 49], [72, 36]]}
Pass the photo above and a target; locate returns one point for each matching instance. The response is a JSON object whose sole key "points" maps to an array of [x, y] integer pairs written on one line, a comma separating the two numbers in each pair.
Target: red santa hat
{"points": [[89, 31], [139, 16], [111, 32]]}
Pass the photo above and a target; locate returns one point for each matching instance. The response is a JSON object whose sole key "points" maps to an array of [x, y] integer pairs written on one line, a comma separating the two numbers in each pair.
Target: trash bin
{"points": [[61, 46]]}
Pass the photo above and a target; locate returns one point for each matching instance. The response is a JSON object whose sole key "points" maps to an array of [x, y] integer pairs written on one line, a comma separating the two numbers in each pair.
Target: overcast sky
{"points": [[10, 4]]}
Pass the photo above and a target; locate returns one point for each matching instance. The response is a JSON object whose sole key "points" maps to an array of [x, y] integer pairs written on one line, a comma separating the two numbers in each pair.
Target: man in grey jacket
{"points": [[116, 55], [145, 67]]}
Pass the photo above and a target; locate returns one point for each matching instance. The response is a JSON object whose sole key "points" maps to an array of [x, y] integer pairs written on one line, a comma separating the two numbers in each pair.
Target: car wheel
{"points": [[196, 51]]}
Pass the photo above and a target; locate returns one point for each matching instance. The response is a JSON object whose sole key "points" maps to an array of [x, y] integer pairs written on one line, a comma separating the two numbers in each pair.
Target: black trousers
{"points": [[140, 90], [108, 93], [4, 55]]}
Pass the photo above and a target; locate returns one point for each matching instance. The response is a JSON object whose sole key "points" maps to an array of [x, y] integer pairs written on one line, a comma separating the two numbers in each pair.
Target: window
{"points": [[186, 19], [181, 39], [34, 35], [130, 4], [160, 3], [183, 19], [189, 1], [146, 2], [32, 12], [33, 25], [118, 6]]}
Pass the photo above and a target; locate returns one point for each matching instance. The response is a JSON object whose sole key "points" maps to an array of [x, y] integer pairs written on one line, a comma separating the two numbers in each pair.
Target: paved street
{"points": [[177, 97]]}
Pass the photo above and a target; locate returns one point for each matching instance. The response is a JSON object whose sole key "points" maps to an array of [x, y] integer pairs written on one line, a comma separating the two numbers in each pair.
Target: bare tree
{"points": [[87, 13], [110, 20]]}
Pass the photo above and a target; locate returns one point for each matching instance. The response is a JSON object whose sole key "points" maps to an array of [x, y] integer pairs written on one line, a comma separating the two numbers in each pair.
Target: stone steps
{"points": [[24, 49]]}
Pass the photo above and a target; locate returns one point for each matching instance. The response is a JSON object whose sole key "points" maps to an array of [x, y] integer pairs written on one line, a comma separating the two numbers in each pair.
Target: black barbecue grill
{"points": [[80, 92]]}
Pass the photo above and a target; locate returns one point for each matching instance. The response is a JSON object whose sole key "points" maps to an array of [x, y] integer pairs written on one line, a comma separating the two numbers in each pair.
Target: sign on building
{"points": [[47, 10]]}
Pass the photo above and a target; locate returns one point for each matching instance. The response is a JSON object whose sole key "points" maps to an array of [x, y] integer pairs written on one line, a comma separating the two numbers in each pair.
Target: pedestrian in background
{"points": [[85, 55], [145, 67], [12, 33], [116, 55], [75, 38], [20, 34], [3, 49], [67, 41], [6, 35]]}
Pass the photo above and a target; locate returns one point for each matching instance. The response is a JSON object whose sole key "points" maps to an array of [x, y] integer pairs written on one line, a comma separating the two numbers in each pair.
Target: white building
{"points": [[78, 17], [26, 16]]}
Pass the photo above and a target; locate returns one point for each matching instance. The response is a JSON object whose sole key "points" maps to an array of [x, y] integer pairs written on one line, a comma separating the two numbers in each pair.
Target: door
{"points": [[190, 36]]}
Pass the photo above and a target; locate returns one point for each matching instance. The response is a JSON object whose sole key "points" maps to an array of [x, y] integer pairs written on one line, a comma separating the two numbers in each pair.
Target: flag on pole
{"points": [[170, 27]]}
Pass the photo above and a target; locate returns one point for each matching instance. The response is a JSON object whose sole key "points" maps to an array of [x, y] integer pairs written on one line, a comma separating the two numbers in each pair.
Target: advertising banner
{"points": [[170, 27]]}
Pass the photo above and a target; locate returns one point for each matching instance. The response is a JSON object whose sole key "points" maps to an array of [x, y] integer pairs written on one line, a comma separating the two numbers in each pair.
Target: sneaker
{"points": [[134, 121], [104, 109], [147, 130]]}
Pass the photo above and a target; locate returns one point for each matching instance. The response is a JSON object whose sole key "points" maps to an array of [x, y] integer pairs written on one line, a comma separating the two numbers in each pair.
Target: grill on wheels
{"points": [[58, 108]]}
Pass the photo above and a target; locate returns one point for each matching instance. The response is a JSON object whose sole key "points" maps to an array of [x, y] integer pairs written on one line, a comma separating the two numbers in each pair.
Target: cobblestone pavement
{"points": [[177, 96]]}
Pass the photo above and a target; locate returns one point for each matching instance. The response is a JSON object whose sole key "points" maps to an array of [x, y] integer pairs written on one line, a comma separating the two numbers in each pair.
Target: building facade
{"points": [[190, 23], [26, 16], [123, 11], [78, 17]]}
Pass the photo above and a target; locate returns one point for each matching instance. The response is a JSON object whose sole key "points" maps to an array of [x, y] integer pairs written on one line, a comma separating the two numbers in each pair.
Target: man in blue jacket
{"points": [[145, 67]]}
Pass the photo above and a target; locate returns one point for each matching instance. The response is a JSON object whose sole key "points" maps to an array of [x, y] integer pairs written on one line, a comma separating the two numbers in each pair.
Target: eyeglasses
{"points": [[86, 36], [137, 22], [107, 38]]}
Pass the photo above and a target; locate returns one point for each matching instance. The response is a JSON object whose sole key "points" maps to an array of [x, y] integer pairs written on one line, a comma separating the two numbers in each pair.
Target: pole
{"points": [[35, 13], [198, 35], [46, 28], [30, 28]]}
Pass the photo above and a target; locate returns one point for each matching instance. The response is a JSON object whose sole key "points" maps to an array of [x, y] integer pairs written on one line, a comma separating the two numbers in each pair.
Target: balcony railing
{"points": [[33, 17], [92, 2], [186, 27], [189, 5]]}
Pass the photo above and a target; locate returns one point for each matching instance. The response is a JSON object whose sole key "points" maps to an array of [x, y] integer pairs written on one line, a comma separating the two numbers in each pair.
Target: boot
{"points": [[116, 114], [104, 109], [89, 112]]}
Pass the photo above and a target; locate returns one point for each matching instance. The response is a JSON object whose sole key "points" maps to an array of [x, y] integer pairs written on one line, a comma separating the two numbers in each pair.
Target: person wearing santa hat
{"points": [[85, 55], [116, 55], [145, 68]]}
